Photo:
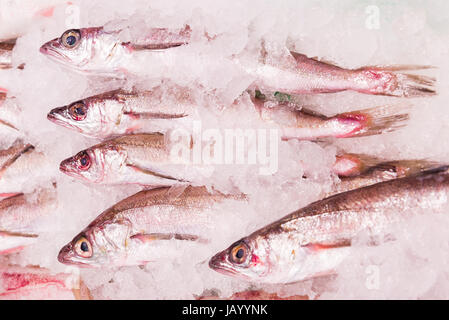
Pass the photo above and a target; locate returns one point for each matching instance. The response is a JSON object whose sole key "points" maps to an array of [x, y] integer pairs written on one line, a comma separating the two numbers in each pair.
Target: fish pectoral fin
{"points": [[150, 237], [152, 172], [154, 115], [320, 246], [17, 234]]}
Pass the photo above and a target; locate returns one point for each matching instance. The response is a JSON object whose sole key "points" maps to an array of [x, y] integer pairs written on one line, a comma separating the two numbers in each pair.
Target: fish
{"points": [[6, 53], [295, 73], [120, 112], [20, 215], [100, 52], [309, 125], [142, 159], [18, 165], [136, 230], [97, 51], [314, 240], [36, 283]]}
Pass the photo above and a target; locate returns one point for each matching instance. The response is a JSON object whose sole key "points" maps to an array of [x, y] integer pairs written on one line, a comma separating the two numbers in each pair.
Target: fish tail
{"points": [[373, 121], [390, 81]]}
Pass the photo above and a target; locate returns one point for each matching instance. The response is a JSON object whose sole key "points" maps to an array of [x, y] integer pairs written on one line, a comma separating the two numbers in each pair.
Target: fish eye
{"points": [[70, 38], [78, 111], [83, 248], [83, 160], [239, 253]]}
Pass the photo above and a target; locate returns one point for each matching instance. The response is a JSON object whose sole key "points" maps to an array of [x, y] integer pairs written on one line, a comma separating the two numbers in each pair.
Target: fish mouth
{"points": [[66, 256], [219, 263], [50, 49], [67, 167], [57, 116]]}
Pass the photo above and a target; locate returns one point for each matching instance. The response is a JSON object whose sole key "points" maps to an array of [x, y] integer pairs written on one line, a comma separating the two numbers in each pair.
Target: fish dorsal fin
{"points": [[302, 58], [176, 191]]}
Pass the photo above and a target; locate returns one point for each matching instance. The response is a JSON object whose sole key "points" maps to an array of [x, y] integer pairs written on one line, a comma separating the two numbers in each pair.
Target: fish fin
{"points": [[150, 237], [152, 172], [26, 148], [316, 247], [154, 115], [4, 196], [404, 67], [375, 120], [162, 39], [17, 234], [303, 59], [7, 124], [176, 191], [388, 81]]}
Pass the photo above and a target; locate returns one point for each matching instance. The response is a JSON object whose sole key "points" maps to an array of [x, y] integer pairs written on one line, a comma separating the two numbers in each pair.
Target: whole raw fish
{"points": [[33, 283], [119, 112], [94, 50], [137, 229], [314, 240], [20, 215], [308, 125], [137, 158]]}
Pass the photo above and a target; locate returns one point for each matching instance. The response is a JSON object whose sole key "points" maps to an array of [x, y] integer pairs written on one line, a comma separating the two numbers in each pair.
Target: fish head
{"points": [[98, 164], [97, 246], [87, 116], [244, 259], [85, 165], [85, 50]]}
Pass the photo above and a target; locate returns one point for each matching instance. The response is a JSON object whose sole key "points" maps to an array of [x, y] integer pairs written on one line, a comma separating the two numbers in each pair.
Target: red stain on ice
{"points": [[14, 281], [46, 12]]}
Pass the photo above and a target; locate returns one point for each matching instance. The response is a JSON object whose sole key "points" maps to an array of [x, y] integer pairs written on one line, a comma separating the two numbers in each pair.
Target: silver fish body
{"points": [[100, 52], [119, 112], [143, 159], [314, 240]]}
